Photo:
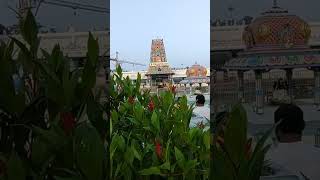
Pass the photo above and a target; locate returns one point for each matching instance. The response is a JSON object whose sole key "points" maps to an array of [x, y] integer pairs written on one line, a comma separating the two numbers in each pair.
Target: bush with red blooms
{"points": [[51, 122], [233, 155], [151, 138]]}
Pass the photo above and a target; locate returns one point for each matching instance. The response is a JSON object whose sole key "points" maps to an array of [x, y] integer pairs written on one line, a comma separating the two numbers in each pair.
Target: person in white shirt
{"points": [[291, 153], [201, 113]]}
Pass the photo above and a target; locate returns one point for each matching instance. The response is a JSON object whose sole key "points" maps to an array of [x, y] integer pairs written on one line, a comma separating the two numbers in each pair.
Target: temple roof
{"points": [[276, 29]]}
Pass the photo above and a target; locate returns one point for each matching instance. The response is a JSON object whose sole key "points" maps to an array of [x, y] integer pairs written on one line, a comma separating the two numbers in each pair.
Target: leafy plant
{"points": [[235, 158], [52, 125], [151, 137]]}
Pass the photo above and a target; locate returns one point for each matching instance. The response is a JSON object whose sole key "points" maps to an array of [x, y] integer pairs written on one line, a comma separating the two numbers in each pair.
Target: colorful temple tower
{"points": [[159, 71]]}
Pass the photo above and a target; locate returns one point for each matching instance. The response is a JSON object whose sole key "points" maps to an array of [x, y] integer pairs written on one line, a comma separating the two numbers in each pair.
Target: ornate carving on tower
{"points": [[158, 53], [159, 69]]}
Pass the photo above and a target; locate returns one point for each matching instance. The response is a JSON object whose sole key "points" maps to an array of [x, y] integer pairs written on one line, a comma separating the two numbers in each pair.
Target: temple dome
{"points": [[196, 71], [277, 29]]}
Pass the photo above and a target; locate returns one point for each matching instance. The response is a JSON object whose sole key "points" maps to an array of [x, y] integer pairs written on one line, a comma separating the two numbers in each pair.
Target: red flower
{"points": [[248, 148], [151, 106], [131, 100], [2, 167], [158, 149], [68, 122]]}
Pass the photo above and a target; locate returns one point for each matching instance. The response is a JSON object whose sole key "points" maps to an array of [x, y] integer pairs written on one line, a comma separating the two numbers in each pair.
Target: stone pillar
{"points": [[240, 86], [259, 92], [290, 87], [317, 87]]}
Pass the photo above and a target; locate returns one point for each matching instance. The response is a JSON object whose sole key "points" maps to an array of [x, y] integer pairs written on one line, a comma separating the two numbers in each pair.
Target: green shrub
{"points": [[151, 137], [52, 126], [236, 158]]}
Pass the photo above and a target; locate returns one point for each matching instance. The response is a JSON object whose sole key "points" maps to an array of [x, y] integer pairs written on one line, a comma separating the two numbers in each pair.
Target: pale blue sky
{"points": [[183, 24]]}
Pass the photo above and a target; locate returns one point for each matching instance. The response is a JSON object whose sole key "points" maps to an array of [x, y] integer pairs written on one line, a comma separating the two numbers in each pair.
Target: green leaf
{"points": [[221, 166], [52, 138], [206, 140], [136, 153], [119, 71], [190, 165], [117, 142], [168, 150], [95, 115], [236, 134], [194, 133], [15, 169], [68, 85], [40, 152], [9, 100], [89, 151], [118, 169], [150, 171], [93, 50], [179, 157], [259, 153], [155, 121], [51, 75], [129, 156], [26, 58], [29, 29], [114, 116], [138, 111], [45, 54], [138, 83], [165, 166], [88, 78]]}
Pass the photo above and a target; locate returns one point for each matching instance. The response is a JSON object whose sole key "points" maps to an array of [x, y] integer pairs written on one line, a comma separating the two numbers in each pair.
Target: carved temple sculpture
{"points": [[159, 72]]}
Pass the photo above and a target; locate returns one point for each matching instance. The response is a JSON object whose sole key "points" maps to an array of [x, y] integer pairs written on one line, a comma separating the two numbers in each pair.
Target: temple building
{"points": [[159, 72], [196, 74], [276, 40]]}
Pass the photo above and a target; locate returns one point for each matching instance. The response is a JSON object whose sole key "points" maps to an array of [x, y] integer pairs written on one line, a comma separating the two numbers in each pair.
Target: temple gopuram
{"points": [[159, 72]]}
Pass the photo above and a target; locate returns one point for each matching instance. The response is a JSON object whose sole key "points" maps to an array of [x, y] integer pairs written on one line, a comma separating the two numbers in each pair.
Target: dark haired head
{"points": [[200, 99], [291, 119]]}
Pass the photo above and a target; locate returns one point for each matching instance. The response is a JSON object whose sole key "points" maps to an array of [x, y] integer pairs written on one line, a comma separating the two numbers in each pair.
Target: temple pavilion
{"points": [[275, 40]]}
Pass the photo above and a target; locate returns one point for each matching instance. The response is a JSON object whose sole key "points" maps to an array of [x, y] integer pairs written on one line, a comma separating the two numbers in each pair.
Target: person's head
{"points": [[290, 123], [200, 100]]}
